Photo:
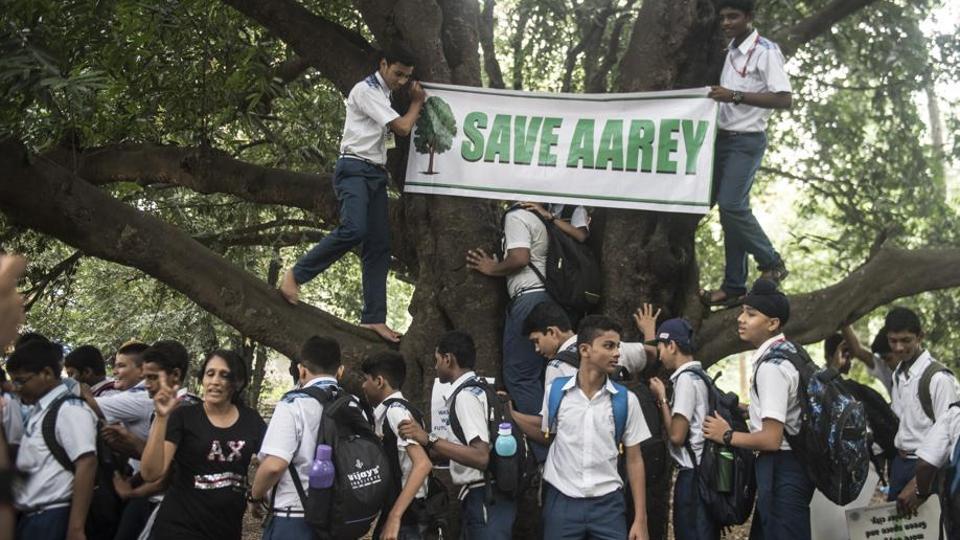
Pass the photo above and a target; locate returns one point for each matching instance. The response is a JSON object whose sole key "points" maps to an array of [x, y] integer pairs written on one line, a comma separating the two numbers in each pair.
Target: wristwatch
{"points": [[728, 437], [432, 439], [737, 97]]}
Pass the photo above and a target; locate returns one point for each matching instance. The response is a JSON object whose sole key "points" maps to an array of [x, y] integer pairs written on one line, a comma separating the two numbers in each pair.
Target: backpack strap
{"points": [[711, 406], [455, 425], [48, 428], [324, 396], [926, 399], [619, 403], [553, 403], [569, 356]]}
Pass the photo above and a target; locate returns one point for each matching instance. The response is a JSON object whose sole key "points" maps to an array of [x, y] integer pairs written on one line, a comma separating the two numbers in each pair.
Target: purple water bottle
{"points": [[321, 472]]}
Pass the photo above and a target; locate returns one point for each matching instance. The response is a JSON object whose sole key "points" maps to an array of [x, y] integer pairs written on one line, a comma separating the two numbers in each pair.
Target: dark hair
{"points": [[29, 337], [460, 345], [593, 325], [135, 350], [830, 346], [685, 348], [321, 355], [34, 356], [86, 357], [880, 344], [543, 316], [746, 6], [387, 364], [238, 372], [169, 355], [399, 54], [901, 319]]}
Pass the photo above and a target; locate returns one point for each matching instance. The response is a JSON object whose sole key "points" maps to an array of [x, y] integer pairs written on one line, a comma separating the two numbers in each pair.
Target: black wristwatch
{"points": [[432, 439], [728, 437], [737, 97]]}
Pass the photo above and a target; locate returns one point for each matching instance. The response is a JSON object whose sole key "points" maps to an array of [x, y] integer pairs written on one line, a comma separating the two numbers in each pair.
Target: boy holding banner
{"points": [[360, 183], [752, 83]]}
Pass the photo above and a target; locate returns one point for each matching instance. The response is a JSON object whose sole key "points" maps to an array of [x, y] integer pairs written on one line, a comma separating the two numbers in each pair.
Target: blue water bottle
{"points": [[506, 445], [507, 462], [321, 479]]}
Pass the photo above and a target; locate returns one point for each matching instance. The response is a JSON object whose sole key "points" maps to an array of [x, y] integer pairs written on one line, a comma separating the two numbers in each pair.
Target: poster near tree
{"points": [[650, 150]]}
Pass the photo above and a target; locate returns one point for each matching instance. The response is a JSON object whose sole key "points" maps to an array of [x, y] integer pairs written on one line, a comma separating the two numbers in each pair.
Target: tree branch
{"points": [[892, 273], [66, 266], [341, 55], [50, 199], [490, 63], [820, 22]]}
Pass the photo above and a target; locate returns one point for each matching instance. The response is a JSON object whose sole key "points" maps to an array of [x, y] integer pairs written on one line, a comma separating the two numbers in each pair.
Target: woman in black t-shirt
{"points": [[209, 446]]}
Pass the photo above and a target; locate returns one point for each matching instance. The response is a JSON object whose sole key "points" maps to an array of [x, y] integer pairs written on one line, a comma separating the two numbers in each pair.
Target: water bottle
{"points": [[507, 464], [321, 479], [506, 445], [725, 470]]}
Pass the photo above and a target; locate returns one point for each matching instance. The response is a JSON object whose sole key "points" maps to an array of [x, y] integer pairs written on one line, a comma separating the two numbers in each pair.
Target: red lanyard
{"points": [[743, 72]]}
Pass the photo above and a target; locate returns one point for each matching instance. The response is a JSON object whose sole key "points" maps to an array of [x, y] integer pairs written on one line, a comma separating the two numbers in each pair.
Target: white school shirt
{"points": [[579, 219], [940, 442], [133, 408], [472, 413], [523, 229], [368, 113], [47, 484], [764, 73], [773, 393], [691, 401], [292, 436], [632, 356], [393, 415], [12, 419], [882, 373], [582, 459], [914, 423], [104, 388]]}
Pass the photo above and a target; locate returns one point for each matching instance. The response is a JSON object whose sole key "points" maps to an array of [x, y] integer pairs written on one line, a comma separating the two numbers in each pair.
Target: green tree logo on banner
{"points": [[435, 129]]}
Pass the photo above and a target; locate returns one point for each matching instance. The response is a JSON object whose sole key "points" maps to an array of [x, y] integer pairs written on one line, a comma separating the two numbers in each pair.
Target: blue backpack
{"points": [[618, 401]]}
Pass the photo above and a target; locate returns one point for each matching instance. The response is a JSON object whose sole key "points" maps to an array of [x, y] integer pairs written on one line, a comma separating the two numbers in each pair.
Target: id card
{"points": [[390, 139]]}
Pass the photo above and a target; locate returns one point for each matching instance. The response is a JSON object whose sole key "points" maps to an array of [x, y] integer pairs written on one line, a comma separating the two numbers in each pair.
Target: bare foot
{"points": [[383, 331], [289, 288]]}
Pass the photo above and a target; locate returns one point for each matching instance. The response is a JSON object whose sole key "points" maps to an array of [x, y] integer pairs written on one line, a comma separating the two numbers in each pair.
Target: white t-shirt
{"points": [[292, 437], [582, 460], [690, 400], [756, 66], [914, 422], [368, 113], [392, 417], [472, 414], [882, 373], [940, 442], [523, 229], [773, 393], [580, 219], [47, 484]]}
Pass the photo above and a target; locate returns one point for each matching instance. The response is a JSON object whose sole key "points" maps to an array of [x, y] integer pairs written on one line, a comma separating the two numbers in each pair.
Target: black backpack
{"points": [[433, 511], [103, 517], [363, 473], [882, 420], [572, 278], [727, 507], [509, 476], [926, 399], [832, 441]]}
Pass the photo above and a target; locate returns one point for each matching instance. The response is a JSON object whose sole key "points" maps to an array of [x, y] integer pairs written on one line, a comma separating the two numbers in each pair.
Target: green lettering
{"points": [[472, 147], [548, 140], [640, 143], [498, 144], [667, 145], [581, 147], [692, 142], [610, 153], [525, 138]]}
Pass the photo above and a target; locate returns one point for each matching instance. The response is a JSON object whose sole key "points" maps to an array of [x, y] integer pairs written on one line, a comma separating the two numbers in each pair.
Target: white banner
{"points": [[882, 522], [650, 151]]}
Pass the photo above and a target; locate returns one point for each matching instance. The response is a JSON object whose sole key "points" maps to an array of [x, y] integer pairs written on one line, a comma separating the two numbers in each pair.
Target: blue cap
{"points": [[678, 330]]}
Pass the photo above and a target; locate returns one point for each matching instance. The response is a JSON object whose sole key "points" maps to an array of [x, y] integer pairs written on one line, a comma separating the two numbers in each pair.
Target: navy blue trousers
{"points": [[691, 519], [522, 367], [902, 471], [595, 518], [361, 188], [45, 525], [784, 492], [482, 521]]}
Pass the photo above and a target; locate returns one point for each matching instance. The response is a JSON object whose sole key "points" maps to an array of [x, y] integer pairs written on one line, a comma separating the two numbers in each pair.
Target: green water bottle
{"points": [[724, 470]]}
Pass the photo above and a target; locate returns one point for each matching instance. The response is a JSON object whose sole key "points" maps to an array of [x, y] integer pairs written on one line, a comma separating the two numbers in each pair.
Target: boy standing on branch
{"points": [[752, 83], [360, 183]]}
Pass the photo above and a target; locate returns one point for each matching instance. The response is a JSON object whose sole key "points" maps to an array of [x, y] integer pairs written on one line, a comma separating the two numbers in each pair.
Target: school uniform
{"points": [[44, 495], [633, 357], [11, 419], [388, 419], [360, 183], [937, 449], [755, 66], [292, 437], [106, 387], [915, 425], [691, 400], [478, 519], [882, 373], [583, 492], [784, 490]]}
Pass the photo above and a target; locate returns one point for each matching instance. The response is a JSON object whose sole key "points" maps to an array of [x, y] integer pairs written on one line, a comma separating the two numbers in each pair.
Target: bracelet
{"points": [[728, 437]]}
